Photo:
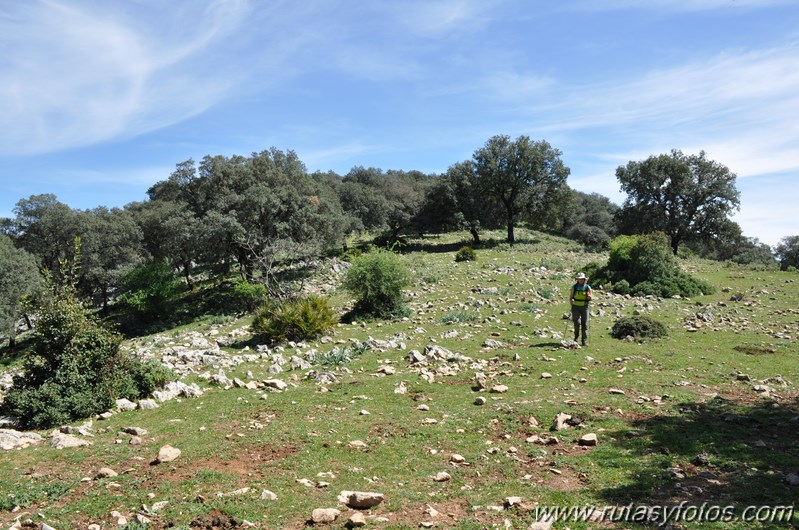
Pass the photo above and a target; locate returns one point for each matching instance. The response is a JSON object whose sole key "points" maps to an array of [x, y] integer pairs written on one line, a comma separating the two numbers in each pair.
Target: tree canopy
{"points": [[684, 196], [19, 276], [522, 175]]}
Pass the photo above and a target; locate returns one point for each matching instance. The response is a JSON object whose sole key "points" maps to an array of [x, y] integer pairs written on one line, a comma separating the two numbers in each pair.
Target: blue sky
{"points": [[100, 99]]}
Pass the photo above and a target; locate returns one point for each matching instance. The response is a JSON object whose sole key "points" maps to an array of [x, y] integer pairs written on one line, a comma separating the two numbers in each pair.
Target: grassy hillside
{"points": [[708, 415]]}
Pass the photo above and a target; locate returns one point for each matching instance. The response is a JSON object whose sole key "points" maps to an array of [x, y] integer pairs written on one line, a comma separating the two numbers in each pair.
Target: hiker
{"points": [[579, 297]]}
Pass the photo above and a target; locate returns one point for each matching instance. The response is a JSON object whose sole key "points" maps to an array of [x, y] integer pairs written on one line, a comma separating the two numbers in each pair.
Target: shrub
{"points": [[592, 237], [639, 327], [621, 287], [377, 279], [148, 289], [248, 296], [296, 319], [648, 266], [458, 317], [466, 253], [76, 369]]}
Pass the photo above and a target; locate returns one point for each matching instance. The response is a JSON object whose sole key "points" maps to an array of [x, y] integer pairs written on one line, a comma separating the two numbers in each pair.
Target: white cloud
{"points": [[675, 5], [73, 74]]}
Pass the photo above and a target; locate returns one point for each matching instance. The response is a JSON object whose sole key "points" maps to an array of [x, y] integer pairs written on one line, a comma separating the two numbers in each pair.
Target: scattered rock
{"points": [[589, 440], [480, 400], [356, 520], [60, 440], [792, 480], [510, 502], [442, 476], [11, 439], [561, 421], [167, 453], [106, 472], [499, 389], [275, 385], [324, 515], [457, 459], [360, 499]]}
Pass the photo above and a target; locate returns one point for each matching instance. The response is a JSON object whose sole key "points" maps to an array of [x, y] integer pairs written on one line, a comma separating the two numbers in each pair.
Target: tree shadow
{"points": [[717, 452], [429, 244]]}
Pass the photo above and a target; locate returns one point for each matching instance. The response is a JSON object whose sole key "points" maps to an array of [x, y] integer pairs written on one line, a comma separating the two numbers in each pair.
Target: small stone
{"points": [[588, 440], [792, 480], [358, 444], [499, 389], [356, 520], [275, 385], [510, 502], [267, 495], [324, 515], [167, 454], [546, 375], [616, 391], [106, 472], [560, 421], [480, 401], [361, 499], [442, 476], [457, 459]]}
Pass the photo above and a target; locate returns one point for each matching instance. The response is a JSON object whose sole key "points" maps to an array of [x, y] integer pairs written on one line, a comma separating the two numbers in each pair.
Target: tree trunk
{"points": [[675, 243], [511, 238], [28, 322], [475, 236], [12, 343], [187, 275]]}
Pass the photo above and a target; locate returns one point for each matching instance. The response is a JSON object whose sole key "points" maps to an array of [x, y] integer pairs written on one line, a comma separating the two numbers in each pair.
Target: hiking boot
{"points": [[585, 342]]}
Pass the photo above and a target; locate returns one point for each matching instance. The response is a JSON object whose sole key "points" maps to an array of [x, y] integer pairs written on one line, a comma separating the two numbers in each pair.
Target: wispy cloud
{"points": [[72, 74], [675, 5], [738, 107]]}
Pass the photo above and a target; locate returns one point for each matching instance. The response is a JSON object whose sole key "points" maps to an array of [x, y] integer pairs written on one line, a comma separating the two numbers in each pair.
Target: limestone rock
{"points": [[589, 440], [267, 495], [442, 476], [167, 454], [11, 439], [324, 515], [356, 520], [360, 499], [275, 385], [106, 472], [560, 422], [60, 440]]}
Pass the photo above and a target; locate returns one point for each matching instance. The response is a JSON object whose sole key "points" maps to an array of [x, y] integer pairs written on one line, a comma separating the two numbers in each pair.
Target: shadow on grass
{"points": [[717, 452], [432, 245]]}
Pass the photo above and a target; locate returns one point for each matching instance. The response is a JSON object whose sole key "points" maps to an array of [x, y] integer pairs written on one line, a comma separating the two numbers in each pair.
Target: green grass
{"points": [[681, 399]]}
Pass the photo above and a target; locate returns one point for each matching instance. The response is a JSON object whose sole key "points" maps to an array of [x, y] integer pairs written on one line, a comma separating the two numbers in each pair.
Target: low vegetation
{"points": [[706, 414]]}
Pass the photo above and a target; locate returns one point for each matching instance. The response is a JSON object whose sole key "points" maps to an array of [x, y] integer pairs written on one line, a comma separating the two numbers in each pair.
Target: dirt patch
{"points": [[248, 463], [215, 520]]}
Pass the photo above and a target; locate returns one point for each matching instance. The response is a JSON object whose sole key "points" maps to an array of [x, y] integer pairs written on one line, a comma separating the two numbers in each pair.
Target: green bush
{"points": [[466, 253], [646, 265], [377, 279], [248, 296], [296, 319], [458, 317], [639, 327], [148, 289], [76, 369], [621, 287]]}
